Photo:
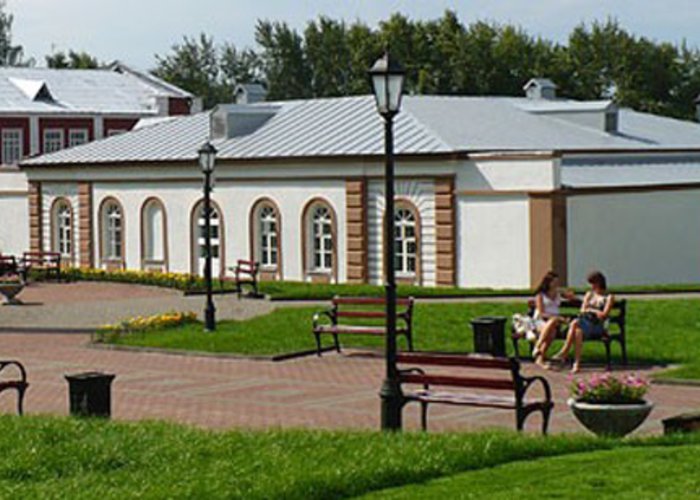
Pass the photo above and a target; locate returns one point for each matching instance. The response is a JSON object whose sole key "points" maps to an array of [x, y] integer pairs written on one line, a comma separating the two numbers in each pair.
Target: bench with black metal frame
{"points": [[48, 262], [245, 272], [515, 383], [344, 309], [9, 266], [19, 384], [614, 332]]}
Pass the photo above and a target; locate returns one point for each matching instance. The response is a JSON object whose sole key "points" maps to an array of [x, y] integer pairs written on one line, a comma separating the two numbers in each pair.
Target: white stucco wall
{"points": [[235, 198], [14, 213], [635, 238], [509, 174], [493, 241]]}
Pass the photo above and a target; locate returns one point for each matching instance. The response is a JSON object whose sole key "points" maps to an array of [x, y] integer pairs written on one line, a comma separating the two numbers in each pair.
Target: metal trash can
{"points": [[490, 335], [90, 394]]}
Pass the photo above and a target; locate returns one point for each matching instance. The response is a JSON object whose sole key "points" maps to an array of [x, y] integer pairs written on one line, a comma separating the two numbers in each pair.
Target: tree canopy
{"points": [[442, 56], [10, 55], [72, 60]]}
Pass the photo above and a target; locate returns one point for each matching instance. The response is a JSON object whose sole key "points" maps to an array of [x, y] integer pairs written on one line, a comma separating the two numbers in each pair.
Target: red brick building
{"points": [[43, 110]]}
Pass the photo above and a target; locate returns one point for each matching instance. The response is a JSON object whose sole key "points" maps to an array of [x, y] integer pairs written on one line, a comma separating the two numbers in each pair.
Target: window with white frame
{"points": [[321, 239], [12, 150], [267, 236], [63, 229], [406, 242], [113, 231], [77, 136], [53, 140]]}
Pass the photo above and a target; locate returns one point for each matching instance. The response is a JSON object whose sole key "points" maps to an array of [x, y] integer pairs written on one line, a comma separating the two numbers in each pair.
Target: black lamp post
{"points": [[207, 158], [387, 83]]}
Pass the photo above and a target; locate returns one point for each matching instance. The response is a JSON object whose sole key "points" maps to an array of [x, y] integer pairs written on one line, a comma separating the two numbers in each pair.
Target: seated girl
{"points": [[590, 324], [547, 318]]}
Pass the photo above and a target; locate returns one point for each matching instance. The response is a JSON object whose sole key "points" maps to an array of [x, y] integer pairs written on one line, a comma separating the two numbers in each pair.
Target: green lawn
{"points": [[662, 331], [71, 458], [657, 472]]}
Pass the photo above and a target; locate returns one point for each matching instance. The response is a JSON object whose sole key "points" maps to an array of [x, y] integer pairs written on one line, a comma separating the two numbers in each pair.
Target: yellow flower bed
{"points": [[141, 324]]}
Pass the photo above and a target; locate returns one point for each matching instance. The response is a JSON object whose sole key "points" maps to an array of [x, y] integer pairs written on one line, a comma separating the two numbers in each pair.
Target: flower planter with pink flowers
{"points": [[609, 405]]}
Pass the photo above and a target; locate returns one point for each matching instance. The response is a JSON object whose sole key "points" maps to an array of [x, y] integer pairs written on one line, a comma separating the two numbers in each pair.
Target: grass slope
{"points": [[660, 331], [657, 472], [68, 458]]}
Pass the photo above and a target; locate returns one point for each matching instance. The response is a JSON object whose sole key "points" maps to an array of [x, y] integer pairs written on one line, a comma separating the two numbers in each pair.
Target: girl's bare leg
{"points": [[548, 333], [563, 353], [577, 351]]}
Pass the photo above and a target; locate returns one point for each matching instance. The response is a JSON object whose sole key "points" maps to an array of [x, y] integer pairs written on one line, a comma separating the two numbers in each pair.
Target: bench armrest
{"points": [[545, 385], [419, 371], [23, 373], [317, 317]]}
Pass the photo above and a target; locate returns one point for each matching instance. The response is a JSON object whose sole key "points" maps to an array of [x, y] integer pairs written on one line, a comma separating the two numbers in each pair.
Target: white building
{"points": [[44, 110], [492, 192]]}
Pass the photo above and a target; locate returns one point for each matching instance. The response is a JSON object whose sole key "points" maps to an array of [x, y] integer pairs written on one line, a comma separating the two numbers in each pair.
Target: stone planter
{"points": [[9, 290], [614, 420]]}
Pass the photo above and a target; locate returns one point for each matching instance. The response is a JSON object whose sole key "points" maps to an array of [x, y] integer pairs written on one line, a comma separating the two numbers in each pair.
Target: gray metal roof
{"points": [[350, 126], [74, 91]]}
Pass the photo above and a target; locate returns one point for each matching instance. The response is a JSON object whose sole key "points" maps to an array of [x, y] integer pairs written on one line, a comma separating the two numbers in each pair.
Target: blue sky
{"points": [[135, 30]]}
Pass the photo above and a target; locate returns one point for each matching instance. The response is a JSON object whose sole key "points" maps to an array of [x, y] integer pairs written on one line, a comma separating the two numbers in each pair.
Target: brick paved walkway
{"points": [[331, 392]]}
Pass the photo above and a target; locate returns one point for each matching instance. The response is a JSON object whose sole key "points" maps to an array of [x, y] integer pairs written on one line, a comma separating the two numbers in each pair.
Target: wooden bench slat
{"points": [[454, 360], [368, 301], [358, 330], [463, 399], [458, 381], [361, 314]]}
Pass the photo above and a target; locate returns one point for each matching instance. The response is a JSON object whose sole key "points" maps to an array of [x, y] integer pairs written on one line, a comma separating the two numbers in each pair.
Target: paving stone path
{"points": [[336, 391]]}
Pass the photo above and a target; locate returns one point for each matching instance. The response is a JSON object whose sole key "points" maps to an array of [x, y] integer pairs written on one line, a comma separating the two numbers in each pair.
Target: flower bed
{"points": [[609, 389], [179, 281], [107, 333]]}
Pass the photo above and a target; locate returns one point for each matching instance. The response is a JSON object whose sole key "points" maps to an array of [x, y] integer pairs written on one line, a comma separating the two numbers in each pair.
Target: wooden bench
{"points": [[362, 308], [615, 331], [513, 382], [18, 383], [48, 262], [9, 266], [245, 272]]}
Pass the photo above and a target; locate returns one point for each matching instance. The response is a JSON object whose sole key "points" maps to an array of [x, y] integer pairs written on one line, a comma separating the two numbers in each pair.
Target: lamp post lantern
{"points": [[207, 159], [387, 84]]}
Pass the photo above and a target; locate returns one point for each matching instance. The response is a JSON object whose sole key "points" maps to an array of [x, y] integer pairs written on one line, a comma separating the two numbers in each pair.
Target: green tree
{"points": [[72, 60], [10, 54], [194, 66], [284, 61], [327, 55]]}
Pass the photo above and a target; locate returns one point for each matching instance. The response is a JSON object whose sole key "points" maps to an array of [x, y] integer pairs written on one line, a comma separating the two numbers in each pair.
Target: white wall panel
{"points": [[635, 238], [493, 241], [14, 213]]}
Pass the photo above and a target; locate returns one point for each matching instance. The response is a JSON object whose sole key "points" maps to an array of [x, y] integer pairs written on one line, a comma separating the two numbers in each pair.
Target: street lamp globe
{"points": [[387, 84], [207, 157]]}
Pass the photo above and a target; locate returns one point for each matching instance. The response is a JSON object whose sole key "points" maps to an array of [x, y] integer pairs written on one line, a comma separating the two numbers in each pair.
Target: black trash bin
{"points": [[90, 394], [490, 335]]}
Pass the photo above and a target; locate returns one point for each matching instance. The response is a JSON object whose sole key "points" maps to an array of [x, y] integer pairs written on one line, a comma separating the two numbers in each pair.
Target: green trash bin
{"points": [[90, 394], [490, 335]]}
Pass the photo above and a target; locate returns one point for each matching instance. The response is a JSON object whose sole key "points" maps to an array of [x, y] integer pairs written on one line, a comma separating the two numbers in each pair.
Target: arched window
{"points": [[199, 233], [320, 253], [62, 234], [265, 236], [112, 233], [406, 241], [153, 235]]}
